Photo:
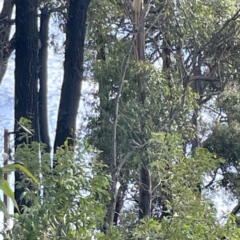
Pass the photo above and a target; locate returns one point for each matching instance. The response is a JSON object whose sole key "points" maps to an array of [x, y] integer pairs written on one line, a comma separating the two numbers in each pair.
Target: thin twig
{"points": [[212, 181]]}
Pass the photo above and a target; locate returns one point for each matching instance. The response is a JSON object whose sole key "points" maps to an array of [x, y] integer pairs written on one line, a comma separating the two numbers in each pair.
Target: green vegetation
{"points": [[164, 116]]}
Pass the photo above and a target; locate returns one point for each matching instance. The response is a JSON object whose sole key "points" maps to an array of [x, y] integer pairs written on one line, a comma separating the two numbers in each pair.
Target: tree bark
{"points": [[43, 77], [73, 72], [26, 74], [6, 45], [145, 193], [119, 201]]}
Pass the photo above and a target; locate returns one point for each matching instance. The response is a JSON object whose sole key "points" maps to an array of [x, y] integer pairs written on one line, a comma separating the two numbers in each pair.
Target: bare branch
{"points": [[210, 94], [212, 181], [124, 160], [202, 78], [236, 209], [59, 9], [12, 44]]}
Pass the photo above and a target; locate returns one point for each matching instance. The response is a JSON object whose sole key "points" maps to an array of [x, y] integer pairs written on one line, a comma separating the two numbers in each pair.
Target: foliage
{"points": [[69, 204], [5, 187], [157, 107], [201, 45], [224, 141], [72, 200], [163, 100], [192, 215]]}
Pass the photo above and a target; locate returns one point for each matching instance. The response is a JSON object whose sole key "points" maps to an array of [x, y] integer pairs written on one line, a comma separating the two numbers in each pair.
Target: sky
{"points": [[55, 71]]}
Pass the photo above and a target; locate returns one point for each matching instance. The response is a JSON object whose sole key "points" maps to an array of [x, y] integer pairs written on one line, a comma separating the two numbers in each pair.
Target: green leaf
{"points": [[65, 143], [8, 191], [15, 166]]}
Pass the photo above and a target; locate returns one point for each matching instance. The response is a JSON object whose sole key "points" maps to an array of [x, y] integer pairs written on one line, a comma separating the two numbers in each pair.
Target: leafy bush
{"points": [[70, 202]]}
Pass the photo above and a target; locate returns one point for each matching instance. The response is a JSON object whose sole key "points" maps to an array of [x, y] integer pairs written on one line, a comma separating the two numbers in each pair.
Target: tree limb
{"points": [[202, 78], [212, 181], [236, 209]]}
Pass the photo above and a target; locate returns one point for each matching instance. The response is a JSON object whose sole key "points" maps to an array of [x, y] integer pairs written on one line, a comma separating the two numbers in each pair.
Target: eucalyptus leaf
{"points": [[8, 191]]}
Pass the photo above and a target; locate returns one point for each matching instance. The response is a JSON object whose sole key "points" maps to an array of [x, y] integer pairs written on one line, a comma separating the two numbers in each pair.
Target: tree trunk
{"points": [[195, 124], [43, 77], [145, 193], [6, 45], [145, 176], [119, 201], [26, 73], [73, 72]]}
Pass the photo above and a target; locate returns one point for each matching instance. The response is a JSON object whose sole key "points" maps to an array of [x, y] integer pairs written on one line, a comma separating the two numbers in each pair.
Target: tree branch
{"points": [[213, 38], [236, 209], [212, 181], [202, 78]]}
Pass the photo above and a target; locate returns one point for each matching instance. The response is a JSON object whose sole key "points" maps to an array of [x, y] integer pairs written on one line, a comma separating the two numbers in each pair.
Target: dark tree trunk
{"points": [[167, 58], [43, 77], [73, 72], [26, 73], [195, 124], [145, 193], [6, 45], [101, 54]]}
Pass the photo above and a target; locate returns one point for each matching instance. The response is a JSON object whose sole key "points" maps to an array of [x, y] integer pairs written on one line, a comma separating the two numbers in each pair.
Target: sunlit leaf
{"points": [[15, 166], [8, 191]]}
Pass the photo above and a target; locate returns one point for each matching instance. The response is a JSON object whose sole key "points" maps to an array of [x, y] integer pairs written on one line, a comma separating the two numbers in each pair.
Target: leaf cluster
{"points": [[70, 202]]}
